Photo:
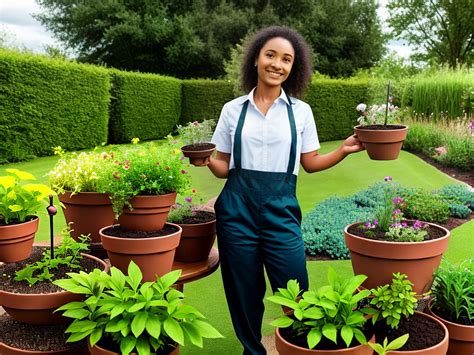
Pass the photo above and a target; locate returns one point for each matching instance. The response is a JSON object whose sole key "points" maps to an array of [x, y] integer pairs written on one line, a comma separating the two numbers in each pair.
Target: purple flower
{"points": [[404, 224], [398, 200], [387, 178], [395, 212], [418, 225], [376, 222], [396, 225], [188, 199]]}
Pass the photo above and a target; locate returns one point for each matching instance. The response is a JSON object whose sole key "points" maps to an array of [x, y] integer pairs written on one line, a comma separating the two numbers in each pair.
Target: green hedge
{"points": [[146, 106], [203, 99], [334, 106], [47, 103]]}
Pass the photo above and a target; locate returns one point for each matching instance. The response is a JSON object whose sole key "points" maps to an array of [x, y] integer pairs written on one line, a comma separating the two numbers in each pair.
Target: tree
{"points": [[441, 29]]}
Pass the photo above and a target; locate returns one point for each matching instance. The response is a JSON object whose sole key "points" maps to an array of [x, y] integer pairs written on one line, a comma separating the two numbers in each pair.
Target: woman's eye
{"points": [[269, 55]]}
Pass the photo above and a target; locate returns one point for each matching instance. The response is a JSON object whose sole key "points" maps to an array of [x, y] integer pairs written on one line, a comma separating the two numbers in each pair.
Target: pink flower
{"points": [[397, 200], [441, 150], [188, 199], [387, 178], [126, 167]]}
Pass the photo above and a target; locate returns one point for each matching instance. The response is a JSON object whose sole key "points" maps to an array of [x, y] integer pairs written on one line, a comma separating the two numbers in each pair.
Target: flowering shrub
{"points": [[196, 132], [79, 172], [144, 170], [18, 200], [376, 114]]}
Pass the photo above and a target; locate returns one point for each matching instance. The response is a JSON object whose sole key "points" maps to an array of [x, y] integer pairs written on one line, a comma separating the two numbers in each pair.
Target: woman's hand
{"points": [[352, 144], [201, 162]]}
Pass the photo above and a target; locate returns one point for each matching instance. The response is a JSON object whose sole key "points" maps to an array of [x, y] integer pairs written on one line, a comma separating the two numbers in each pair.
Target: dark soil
{"points": [[7, 274], [381, 127], [198, 217], [433, 232], [198, 147], [108, 344], [291, 336], [462, 320], [117, 231], [424, 332], [12, 222], [36, 337]]}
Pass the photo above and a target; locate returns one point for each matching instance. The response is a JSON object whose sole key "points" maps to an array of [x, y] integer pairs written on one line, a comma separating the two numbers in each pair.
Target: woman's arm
{"points": [[312, 161], [218, 165]]}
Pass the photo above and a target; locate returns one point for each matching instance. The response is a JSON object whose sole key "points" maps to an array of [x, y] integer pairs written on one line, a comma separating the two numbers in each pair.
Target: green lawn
{"points": [[353, 174]]}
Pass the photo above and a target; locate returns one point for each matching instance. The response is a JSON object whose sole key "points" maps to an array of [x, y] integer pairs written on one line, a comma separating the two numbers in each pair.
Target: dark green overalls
{"points": [[258, 224]]}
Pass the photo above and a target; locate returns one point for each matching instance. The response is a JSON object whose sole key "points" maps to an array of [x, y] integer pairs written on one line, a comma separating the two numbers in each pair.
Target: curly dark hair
{"points": [[301, 72]]}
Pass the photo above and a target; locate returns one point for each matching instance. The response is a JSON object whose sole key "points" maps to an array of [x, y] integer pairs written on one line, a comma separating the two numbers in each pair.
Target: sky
{"points": [[17, 22]]}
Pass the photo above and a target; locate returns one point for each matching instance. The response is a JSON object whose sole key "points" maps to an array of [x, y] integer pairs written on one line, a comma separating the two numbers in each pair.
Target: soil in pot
{"points": [[37, 337], [119, 232], [198, 217], [7, 274], [424, 332], [381, 127], [433, 232], [198, 147]]}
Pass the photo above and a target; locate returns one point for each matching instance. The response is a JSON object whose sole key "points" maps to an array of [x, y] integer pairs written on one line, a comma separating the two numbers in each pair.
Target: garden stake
{"points": [[52, 210], [388, 99]]}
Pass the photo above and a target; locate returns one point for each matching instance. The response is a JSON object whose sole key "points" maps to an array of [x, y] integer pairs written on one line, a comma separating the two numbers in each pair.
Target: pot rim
{"points": [[23, 351], [35, 219], [430, 304], [137, 239], [361, 127]]}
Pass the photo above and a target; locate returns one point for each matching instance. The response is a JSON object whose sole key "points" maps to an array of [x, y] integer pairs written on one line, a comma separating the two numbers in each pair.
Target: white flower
{"points": [[361, 107]]}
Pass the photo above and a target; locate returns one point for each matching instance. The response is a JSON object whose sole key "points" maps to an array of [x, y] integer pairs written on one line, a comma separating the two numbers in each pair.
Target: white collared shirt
{"points": [[266, 140]]}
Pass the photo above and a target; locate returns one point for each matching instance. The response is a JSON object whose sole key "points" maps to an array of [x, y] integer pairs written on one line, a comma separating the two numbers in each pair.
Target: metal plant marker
{"points": [[52, 210], [386, 107]]}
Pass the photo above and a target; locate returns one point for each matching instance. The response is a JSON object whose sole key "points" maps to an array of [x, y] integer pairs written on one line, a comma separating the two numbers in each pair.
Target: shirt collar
{"points": [[250, 97]]}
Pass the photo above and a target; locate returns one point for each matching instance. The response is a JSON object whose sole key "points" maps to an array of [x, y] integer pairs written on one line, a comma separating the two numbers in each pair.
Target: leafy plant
{"points": [[385, 347], [18, 200], [328, 312], [453, 290], [183, 206], [376, 114], [136, 316], [67, 253], [402, 232], [196, 132], [425, 206], [393, 301]]}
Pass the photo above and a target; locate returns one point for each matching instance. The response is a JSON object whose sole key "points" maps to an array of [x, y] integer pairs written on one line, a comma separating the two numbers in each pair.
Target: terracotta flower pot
{"points": [[382, 144], [198, 156], [149, 212], [97, 350], [380, 259], [80, 208], [39, 308], [461, 337], [196, 242], [153, 255], [285, 348], [8, 350], [16, 240]]}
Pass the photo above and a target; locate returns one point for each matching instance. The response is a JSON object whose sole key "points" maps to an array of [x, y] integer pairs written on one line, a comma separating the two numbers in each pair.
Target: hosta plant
{"points": [[330, 311], [19, 199], [138, 317]]}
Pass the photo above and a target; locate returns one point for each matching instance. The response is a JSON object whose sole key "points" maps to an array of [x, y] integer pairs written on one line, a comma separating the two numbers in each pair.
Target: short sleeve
{"points": [[309, 137], [221, 137]]}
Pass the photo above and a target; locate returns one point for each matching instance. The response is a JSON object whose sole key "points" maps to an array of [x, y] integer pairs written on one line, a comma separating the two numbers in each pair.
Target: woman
{"points": [[261, 139]]}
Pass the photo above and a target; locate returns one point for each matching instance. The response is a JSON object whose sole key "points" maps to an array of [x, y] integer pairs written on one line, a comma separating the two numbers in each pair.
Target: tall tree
{"points": [[442, 29]]}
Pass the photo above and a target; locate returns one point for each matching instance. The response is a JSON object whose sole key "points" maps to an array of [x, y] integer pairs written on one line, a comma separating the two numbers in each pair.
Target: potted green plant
{"points": [[19, 203], [324, 321], [199, 230], [389, 244], [76, 179], [382, 140], [26, 290], [123, 315], [385, 347], [197, 139], [393, 315], [453, 304]]}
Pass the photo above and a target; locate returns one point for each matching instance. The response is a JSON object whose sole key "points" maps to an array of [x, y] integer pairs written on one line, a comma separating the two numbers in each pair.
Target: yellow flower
{"points": [[135, 140], [176, 151]]}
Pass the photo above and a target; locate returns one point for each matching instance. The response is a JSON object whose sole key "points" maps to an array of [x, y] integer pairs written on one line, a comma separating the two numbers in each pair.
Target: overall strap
{"points": [[292, 160], [238, 137]]}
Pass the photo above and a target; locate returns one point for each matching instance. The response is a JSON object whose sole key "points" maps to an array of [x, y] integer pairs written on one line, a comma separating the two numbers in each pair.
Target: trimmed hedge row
{"points": [[146, 106], [46, 103], [203, 99]]}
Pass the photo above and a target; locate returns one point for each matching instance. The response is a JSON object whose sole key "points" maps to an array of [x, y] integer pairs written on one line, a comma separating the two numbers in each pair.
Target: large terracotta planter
{"points": [[198, 156], [149, 213], [39, 308], [380, 259], [382, 144], [154, 255], [97, 350], [196, 242], [285, 348], [16, 240], [87, 212], [461, 337]]}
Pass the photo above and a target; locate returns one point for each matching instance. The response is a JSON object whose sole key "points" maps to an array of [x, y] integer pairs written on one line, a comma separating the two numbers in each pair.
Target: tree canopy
{"points": [[190, 39], [442, 29]]}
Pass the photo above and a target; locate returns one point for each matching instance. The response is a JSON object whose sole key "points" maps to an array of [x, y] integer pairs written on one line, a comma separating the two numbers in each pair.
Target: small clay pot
{"points": [[196, 242], [198, 156], [16, 240], [382, 144]]}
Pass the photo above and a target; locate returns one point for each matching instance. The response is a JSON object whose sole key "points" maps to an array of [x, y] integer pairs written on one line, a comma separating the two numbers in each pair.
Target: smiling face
{"points": [[275, 61]]}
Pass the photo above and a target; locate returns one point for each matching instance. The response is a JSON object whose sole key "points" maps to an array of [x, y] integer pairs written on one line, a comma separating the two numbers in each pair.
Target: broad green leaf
{"points": [[330, 332], [116, 325], [359, 336], [135, 275], [355, 318], [79, 336], [127, 344], [139, 323], [282, 322], [173, 330], [158, 303], [136, 307], [118, 309], [117, 278], [83, 325], [143, 346], [170, 278], [294, 288], [398, 342], [353, 283], [22, 175], [314, 337], [7, 182], [283, 301], [11, 195], [95, 336], [377, 348], [298, 313], [314, 313], [347, 334], [77, 313], [70, 305], [332, 277], [207, 330], [15, 208], [153, 326], [192, 333]]}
